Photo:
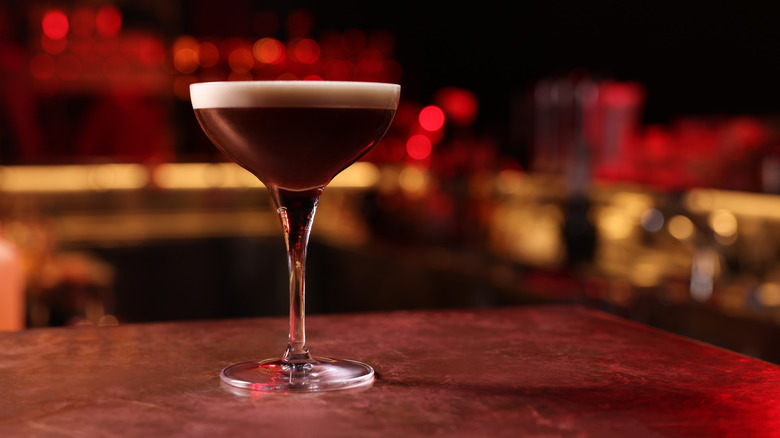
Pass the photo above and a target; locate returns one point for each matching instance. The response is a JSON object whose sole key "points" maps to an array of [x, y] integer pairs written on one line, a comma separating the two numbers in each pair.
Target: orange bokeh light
{"points": [[269, 51], [185, 54], [55, 24], [431, 118], [185, 60], [419, 147], [241, 60], [304, 50], [108, 21]]}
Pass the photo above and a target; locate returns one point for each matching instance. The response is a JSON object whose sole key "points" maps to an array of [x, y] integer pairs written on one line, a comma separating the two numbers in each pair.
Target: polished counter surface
{"points": [[523, 371]]}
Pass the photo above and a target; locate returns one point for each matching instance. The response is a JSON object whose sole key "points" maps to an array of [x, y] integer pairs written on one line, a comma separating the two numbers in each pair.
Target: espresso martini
{"points": [[295, 136]]}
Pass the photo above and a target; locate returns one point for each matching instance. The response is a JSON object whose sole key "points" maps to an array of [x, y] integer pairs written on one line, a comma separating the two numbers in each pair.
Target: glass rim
{"points": [[294, 93]]}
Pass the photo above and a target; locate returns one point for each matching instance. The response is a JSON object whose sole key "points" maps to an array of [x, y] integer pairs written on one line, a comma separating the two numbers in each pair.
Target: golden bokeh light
{"points": [[681, 228]]}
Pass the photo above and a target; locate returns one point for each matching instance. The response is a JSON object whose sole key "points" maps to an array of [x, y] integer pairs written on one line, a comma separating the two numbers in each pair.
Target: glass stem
{"points": [[296, 210]]}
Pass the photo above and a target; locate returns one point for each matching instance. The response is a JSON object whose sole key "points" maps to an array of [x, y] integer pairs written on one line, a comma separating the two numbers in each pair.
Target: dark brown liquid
{"points": [[294, 148]]}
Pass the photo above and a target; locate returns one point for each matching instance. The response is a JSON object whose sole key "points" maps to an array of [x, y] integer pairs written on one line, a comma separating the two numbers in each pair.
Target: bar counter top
{"points": [[546, 371]]}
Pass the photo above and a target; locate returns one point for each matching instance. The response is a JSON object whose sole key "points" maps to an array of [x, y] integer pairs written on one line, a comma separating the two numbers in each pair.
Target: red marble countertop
{"points": [[525, 371]]}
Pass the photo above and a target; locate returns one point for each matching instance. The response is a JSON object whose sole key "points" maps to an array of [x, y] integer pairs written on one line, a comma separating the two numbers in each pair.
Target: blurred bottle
{"points": [[12, 287]]}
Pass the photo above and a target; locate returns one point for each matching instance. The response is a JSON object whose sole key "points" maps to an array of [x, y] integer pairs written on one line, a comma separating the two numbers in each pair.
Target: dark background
{"points": [[693, 57]]}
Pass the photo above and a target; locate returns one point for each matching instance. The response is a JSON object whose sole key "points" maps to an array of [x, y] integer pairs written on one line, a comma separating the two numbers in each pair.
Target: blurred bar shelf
{"points": [[702, 263], [513, 371]]}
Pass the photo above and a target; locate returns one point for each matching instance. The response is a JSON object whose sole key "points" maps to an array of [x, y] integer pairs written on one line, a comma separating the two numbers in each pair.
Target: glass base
{"points": [[321, 374]]}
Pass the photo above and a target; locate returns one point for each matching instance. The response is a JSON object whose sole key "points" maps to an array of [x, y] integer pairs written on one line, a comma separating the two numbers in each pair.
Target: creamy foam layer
{"points": [[307, 94]]}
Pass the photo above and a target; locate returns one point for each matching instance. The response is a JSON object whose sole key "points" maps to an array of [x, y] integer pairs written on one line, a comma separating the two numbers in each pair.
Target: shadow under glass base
{"points": [[321, 374]]}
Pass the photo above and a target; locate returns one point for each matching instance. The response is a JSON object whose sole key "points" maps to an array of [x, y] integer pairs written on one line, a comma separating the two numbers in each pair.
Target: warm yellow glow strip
{"points": [[738, 203], [103, 177], [360, 175], [202, 176], [71, 178]]}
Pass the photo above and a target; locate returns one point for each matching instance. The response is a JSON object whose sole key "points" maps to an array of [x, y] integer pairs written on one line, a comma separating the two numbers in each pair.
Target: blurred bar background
{"points": [[626, 157]]}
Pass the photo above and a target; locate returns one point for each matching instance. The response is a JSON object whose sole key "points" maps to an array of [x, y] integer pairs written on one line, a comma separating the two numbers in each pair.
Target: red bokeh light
{"points": [[208, 54], [621, 94], [42, 66], [338, 69], [419, 147], [460, 105], [431, 118], [55, 24], [304, 50], [108, 21], [54, 47], [151, 51]]}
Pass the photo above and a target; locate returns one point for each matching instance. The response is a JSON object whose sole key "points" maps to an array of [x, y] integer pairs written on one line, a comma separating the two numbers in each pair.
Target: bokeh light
{"points": [[42, 66], [185, 60], [185, 54], [724, 225], [419, 147], [460, 105], [208, 54], [53, 46], [150, 51], [55, 24], [269, 51], [241, 60], [304, 50], [108, 21], [370, 62], [680, 227], [431, 118], [652, 220]]}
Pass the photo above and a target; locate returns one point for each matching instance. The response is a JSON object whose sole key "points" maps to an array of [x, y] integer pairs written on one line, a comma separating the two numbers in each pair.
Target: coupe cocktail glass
{"points": [[295, 136]]}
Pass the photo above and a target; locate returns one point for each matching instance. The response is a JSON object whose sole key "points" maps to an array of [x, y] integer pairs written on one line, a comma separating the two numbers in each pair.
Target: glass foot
{"points": [[322, 374]]}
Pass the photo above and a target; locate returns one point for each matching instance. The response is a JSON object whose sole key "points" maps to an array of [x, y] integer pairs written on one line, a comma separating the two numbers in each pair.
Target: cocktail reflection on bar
{"points": [[543, 161]]}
